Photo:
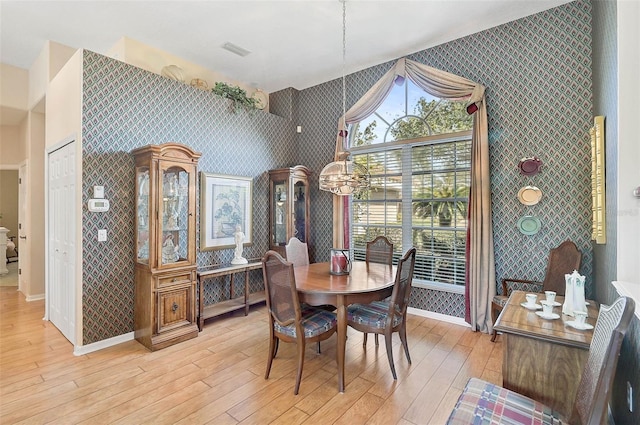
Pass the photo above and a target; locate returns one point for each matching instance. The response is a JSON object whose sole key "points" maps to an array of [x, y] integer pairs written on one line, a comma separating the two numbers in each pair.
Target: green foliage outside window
{"points": [[439, 188]]}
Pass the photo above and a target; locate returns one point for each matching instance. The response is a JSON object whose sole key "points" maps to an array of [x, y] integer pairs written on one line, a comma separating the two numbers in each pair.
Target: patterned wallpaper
{"points": [[537, 71], [605, 102], [125, 108]]}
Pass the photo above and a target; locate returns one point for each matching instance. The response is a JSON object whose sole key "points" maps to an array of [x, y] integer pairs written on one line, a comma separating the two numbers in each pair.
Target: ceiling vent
{"points": [[235, 49]]}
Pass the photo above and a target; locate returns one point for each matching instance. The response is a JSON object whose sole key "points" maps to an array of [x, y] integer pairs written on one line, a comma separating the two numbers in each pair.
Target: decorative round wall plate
{"points": [[530, 166], [529, 225], [529, 195], [262, 99]]}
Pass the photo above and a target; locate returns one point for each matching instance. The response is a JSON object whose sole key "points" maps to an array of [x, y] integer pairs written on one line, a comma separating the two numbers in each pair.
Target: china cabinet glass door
{"points": [[174, 215], [279, 218], [300, 210], [142, 192]]}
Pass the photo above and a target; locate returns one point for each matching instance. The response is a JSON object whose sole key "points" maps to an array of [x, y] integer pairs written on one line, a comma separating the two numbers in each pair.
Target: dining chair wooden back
{"points": [[563, 259], [289, 322], [297, 252], [379, 250], [484, 402], [388, 316]]}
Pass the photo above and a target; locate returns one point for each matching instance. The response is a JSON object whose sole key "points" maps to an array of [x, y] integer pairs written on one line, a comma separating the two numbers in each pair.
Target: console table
{"points": [[234, 302], [543, 359]]}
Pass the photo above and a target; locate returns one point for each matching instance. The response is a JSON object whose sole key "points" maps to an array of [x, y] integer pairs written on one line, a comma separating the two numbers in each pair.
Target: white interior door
{"points": [[61, 300], [23, 242]]}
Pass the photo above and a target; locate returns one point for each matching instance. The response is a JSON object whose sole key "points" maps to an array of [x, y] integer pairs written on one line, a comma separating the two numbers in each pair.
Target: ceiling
{"points": [[295, 43]]}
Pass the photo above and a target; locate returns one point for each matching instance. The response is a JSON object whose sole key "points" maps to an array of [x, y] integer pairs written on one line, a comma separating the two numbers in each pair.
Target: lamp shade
{"points": [[344, 177]]}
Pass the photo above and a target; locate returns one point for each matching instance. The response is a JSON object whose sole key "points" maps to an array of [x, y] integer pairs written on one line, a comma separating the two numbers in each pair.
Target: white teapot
{"points": [[574, 298]]}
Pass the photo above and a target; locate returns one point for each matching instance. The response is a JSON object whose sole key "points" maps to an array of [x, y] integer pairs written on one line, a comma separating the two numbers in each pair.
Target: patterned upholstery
{"points": [[484, 403], [315, 321], [290, 321], [373, 317], [500, 300], [374, 314]]}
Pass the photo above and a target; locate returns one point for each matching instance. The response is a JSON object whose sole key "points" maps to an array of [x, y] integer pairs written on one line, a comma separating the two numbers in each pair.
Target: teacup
{"points": [[581, 317], [547, 308], [551, 296], [531, 299]]}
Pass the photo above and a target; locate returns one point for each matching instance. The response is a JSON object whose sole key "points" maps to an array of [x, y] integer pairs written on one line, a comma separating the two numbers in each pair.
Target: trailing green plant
{"points": [[237, 95]]}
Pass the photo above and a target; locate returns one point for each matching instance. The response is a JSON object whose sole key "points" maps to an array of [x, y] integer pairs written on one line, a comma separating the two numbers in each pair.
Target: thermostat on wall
{"points": [[98, 205]]}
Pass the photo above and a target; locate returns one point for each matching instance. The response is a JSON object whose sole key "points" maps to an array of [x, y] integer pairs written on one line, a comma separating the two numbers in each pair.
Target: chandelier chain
{"points": [[344, 61]]}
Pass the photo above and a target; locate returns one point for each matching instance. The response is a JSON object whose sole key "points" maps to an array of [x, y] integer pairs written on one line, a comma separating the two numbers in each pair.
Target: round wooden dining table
{"points": [[365, 283]]}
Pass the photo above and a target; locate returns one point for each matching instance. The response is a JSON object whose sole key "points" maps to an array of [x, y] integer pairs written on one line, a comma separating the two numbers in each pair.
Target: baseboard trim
{"points": [[36, 297], [80, 350], [438, 316]]}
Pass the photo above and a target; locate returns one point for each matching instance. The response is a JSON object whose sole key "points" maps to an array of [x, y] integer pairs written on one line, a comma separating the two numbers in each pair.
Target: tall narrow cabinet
{"points": [[165, 269], [288, 206]]}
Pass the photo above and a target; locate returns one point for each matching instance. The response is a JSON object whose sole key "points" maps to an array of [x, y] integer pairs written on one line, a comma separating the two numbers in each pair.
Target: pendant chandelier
{"points": [[343, 176]]}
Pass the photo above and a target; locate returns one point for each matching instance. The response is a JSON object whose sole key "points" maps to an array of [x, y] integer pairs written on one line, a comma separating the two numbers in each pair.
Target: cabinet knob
{"points": [[174, 279], [174, 307]]}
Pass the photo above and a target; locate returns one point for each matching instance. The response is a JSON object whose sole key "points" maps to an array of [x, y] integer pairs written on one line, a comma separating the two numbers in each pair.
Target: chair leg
{"points": [[273, 347], [387, 342], [300, 364], [364, 340], [318, 349], [494, 335], [376, 337], [403, 338]]}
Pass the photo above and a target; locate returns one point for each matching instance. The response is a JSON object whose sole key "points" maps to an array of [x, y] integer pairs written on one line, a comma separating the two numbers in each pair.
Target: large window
{"points": [[418, 151]]}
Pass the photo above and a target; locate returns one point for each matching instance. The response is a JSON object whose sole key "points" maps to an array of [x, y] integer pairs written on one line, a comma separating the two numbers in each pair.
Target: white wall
{"points": [[12, 147], [51, 59], [64, 123], [153, 60], [628, 249]]}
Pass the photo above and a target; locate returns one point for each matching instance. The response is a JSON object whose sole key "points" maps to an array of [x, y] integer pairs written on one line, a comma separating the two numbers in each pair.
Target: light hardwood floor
{"points": [[218, 377]]}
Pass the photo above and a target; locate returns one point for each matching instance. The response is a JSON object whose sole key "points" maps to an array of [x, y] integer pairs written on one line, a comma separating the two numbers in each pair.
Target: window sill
{"points": [[631, 290], [456, 289]]}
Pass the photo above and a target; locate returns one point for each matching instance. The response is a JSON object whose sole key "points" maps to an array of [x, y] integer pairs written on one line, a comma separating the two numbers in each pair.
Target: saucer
{"points": [[575, 325], [531, 307], [552, 316], [556, 303]]}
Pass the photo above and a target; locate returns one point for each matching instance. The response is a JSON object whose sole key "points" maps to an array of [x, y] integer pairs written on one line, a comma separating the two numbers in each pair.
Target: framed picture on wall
{"points": [[226, 204]]}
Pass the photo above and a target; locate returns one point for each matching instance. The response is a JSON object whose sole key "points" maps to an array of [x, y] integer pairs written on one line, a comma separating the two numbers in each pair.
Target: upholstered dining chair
{"points": [[379, 250], [483, 402], [289, 322], [297, 252], [562, 260], [388, 316]]}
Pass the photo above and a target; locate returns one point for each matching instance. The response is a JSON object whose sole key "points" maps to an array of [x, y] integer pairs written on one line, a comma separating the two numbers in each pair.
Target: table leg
{"points": [[246, 292], [342, 340], [200, 303]]}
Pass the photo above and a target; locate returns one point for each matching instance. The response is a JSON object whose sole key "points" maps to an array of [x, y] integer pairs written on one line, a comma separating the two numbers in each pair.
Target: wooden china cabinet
{"points": [[165, 269], [288, 206]]}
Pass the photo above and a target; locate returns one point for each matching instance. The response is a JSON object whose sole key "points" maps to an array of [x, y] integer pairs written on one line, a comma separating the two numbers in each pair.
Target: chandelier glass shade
{"points": [[344, 177]]}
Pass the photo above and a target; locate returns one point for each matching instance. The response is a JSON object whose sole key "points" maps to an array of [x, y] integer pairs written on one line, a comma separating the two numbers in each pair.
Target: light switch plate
{"points": [[102, 235], [98, 192]]}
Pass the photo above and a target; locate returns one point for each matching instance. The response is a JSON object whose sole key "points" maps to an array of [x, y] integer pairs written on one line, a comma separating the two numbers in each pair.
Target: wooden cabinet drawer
{"points": [[176, 279], [175, 307]]}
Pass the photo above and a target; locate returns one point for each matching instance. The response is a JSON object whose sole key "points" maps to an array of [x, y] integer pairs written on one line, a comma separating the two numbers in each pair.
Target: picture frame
{"points": [[225, 202], [598, 193]]}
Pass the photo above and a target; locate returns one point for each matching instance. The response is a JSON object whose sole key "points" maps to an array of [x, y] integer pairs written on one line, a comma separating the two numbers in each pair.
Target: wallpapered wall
{"points": [[538, 76], [126, 107], [605, 102], [537, 71]]}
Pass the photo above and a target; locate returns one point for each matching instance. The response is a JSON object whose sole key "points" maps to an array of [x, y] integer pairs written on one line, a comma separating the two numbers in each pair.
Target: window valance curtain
{"points": [[480, 287]]}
